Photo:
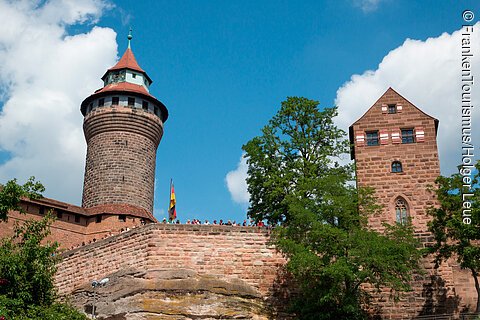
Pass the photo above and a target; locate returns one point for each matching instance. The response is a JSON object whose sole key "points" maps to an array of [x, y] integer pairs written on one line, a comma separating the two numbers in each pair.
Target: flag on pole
{"points": [[172, 212]]}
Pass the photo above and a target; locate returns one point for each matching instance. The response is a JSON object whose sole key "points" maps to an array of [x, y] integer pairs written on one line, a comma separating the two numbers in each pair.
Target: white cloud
{"points": [[237, 184], [44, 75], [125, 17], [428, 74], [367, 5]]}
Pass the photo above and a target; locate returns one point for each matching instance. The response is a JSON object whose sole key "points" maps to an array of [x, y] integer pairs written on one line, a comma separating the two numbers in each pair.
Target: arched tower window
{"points": [[397, 166], [401, 210]]}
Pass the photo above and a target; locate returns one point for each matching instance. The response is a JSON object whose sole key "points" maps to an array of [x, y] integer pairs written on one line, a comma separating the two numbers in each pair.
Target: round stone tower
{"points": [[123, 125]]}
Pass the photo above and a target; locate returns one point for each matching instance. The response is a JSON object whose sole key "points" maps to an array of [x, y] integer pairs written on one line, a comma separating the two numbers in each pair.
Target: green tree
{"points": [[296, 183], [295, 148], [28, 263], [11, 194], [455, 235]]}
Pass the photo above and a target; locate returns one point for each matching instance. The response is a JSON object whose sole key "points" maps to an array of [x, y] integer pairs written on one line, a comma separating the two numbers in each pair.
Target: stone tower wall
{"points": [[121, 152]]}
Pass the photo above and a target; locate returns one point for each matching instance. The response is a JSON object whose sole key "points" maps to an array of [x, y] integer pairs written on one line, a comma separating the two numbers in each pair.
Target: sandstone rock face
{"points": [[172, 294]]}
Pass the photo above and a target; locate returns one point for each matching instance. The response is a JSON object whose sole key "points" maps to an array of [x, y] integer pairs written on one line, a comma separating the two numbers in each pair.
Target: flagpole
{"points": [[169, 199]]}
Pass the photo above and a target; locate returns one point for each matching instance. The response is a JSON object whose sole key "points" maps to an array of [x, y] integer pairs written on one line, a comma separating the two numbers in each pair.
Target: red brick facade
{"points": [[419, 160], [75, 226], [395, 152]]}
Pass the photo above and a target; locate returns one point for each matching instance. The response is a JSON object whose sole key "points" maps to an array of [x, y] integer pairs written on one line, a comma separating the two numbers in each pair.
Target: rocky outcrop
{"points": [[172, 294]]}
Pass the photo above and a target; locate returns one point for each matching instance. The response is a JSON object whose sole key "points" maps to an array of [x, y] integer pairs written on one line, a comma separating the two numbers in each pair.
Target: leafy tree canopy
{"points": [[295, 181], [456, 223], [11, 194], [27, 263], [296, 148]]}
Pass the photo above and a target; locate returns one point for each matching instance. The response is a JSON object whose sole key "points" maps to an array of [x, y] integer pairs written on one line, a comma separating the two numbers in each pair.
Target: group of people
{"points": [[250, 223]]}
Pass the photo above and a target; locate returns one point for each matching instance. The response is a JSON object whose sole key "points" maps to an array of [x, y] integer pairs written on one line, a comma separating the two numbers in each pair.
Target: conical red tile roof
{"points": [[127, 61]]}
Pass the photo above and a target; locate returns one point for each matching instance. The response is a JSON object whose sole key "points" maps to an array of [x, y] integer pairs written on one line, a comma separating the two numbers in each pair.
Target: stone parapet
{"points": [[225, 252]]}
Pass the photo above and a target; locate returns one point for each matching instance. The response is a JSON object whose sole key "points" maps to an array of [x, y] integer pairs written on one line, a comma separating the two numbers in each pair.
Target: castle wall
{"points": [[225, 252], [67, 233], [229, 253], [108, 226], [446, 289], [70, 229]]}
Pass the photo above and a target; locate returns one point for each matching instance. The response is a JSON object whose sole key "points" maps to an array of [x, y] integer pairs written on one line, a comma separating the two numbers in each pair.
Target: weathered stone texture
{"points": [[121, 152], [171, 294], [224, 252]]}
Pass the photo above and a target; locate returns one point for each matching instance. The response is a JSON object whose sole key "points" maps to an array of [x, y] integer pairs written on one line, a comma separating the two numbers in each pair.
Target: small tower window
{"points": [[101, 102], [157, 112], [134, 75], [401, 210], [145, 105], [397, 166], [408, 136], [372, 138], [115, 101], [99, 218], [77, 218], [131, 102], [122, 217], [392, 108]]}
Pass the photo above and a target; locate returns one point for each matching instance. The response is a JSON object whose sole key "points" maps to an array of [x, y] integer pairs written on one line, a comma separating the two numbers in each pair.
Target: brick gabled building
{"points": [[395, 152], [394, 145]]}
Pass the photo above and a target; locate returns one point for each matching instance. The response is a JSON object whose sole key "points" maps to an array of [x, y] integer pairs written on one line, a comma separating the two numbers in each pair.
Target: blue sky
{"points": [[223, 67]]}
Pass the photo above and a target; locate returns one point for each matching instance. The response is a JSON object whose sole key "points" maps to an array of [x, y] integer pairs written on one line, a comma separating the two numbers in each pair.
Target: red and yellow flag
{"points": [[172, 212]]}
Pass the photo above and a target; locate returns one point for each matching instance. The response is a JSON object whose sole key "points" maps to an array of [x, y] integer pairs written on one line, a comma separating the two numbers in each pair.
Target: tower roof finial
{"points": [[129, 37]]}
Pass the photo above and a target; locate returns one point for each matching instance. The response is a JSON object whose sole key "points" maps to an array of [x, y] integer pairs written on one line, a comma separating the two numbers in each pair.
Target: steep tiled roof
{"points": [[127, 61]]}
